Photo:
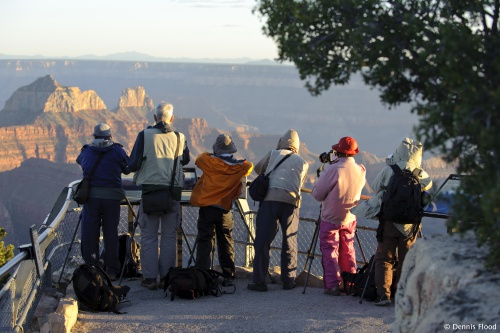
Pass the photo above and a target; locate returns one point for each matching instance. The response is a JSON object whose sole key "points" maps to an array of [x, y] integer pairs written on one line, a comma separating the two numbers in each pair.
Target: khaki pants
{"points": [[385, 257]]}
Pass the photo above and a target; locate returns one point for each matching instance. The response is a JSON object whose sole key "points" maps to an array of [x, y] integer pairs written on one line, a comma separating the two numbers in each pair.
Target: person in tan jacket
{"points": [[214, 193], [279, 210]]}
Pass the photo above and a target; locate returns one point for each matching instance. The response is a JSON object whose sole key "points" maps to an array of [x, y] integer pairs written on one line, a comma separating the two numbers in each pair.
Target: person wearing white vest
{"points": [[152, 159]]}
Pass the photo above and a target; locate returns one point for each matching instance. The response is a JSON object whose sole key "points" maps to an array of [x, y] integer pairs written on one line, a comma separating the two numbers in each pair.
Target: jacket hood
{"points": [[409, 150], [101, 144], [289, 140]]}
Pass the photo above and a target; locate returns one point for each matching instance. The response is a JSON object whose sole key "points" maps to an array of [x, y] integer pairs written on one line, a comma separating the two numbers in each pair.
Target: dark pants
{"points": [[385, 258], [213, 221], [272, 215], [99, 213]]}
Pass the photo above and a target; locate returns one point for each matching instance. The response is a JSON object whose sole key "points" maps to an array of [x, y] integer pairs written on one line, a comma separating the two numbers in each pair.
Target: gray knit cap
{"points": [[224, 145], [102, 130]]}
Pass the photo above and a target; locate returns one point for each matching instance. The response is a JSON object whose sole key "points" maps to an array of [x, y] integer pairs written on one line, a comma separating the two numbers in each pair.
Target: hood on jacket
{"points": [[289, 140], [409, 150], [101, 144]]}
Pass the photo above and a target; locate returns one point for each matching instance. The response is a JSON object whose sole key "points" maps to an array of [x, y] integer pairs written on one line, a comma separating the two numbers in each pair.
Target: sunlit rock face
{"points": [[46, 95], [445, 287]]}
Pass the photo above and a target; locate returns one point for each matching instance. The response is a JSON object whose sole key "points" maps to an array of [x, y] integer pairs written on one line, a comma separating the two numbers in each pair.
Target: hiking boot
{"points": [[257, 286], [149, 283], [333, 291], [228, 281], [382, 301], [289, 285]]}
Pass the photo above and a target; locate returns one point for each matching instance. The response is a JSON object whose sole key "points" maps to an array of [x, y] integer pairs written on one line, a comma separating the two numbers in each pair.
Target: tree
{"points": [[442, 57], [6, 253]]}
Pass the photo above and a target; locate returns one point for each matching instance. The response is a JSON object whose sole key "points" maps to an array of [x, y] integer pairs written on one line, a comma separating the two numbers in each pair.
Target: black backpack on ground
{"points": [[354, 283], [402, 200], [192, 282], [133, 265], [95, 291]]}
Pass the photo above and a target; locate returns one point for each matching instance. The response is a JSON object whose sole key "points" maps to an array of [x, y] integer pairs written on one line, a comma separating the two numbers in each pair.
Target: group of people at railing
{"points": [[157, 159]]}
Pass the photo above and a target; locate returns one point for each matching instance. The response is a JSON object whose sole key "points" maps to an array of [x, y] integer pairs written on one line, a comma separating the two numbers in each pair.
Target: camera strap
{"points": [[277, 165]]}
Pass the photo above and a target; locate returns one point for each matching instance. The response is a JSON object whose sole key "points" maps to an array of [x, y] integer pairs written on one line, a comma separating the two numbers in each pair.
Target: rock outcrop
{"points": [[46, 95], [445, 287]]}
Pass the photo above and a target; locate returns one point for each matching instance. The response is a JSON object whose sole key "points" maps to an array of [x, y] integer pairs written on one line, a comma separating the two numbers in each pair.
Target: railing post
{"points": [[179, 240], [247, 216]]}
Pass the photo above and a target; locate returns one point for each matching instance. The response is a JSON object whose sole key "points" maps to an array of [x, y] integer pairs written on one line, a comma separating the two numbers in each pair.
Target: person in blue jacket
{"points": [[106, 192]]}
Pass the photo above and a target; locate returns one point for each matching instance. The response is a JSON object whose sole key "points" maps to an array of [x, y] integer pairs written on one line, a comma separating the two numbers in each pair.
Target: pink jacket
{"points": [[338, 188]]}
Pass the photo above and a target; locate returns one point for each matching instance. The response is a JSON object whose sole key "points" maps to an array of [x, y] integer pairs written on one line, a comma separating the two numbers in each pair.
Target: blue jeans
{"points": [[99, 213]]}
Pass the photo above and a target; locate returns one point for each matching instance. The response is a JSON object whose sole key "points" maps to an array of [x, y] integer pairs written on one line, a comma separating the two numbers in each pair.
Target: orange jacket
{"points": [[220, 183]]}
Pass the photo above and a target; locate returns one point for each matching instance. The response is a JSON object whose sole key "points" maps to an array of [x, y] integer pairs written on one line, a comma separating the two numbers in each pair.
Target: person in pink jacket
{"points": [[339, 188]]}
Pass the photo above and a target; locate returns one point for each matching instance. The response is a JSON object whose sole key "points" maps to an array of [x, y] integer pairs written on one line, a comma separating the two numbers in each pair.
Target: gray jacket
{"points": [[286, 180]]}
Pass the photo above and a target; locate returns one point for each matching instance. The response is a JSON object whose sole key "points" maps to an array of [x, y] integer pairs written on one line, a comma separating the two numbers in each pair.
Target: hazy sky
{"points": [[161, 28]]}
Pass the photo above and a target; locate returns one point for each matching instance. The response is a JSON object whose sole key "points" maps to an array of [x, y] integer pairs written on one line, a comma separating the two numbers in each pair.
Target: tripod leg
{"points": [[360, 247], [367, 281], [70, 246], [273, 280], [312, 250], [129, 245], [191, 257], [191, 252]]}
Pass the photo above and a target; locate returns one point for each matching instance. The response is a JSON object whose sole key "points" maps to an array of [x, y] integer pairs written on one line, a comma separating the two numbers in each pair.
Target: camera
{"points": [[327, 157]]}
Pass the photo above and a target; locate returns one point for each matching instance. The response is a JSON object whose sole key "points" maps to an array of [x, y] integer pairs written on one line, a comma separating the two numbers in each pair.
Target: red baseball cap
{"points": [[346, 145]]}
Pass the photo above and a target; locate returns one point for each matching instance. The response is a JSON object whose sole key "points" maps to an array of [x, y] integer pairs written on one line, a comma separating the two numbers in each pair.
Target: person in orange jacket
{"points": [[214, 193]]}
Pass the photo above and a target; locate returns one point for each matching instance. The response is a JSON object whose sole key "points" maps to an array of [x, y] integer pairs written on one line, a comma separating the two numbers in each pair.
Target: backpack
{"points": [[133, 264], [95, 291], [354, 283], [192, 282], [402, 199]]}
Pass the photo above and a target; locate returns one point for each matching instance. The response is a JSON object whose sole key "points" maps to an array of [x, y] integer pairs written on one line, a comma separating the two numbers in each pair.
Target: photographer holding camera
{"points": [[338, 188]]}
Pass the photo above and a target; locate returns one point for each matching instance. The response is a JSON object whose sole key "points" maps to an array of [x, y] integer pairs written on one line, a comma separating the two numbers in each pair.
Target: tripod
{"points": [[312, 250], [70, 246], [252, 238], [128, 255], [314, 240]]}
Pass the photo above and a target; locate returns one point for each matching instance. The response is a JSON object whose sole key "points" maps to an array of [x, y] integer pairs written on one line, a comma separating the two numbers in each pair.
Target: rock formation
{"points": [[444, 286], [46, 95]]}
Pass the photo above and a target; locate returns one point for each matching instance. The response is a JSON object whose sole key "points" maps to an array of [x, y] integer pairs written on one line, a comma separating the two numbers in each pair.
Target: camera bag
{"points": [[191, 282], [82, 191], [95, 291]]}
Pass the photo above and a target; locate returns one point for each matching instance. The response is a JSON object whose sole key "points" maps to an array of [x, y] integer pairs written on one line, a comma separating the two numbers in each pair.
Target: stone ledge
{"points": [[444, 285]]}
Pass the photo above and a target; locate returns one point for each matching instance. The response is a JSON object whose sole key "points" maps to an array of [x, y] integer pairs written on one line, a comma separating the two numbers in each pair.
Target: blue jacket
{"points": [[110, 168]]}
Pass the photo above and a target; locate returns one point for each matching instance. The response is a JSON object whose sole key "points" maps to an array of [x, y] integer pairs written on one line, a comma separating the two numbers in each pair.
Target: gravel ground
{"points": [[276, 310]]}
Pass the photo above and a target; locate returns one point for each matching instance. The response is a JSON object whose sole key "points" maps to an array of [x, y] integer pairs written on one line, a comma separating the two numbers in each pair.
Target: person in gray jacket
{"points": [[153, 159], [392, 237], [280, 208]]}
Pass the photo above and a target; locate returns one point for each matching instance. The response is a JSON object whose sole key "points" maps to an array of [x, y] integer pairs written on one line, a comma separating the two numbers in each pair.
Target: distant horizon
{"points": [[137, 56]]}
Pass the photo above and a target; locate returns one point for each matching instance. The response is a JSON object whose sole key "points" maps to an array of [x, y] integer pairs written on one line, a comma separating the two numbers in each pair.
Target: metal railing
{"points": [[59, 245]]}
